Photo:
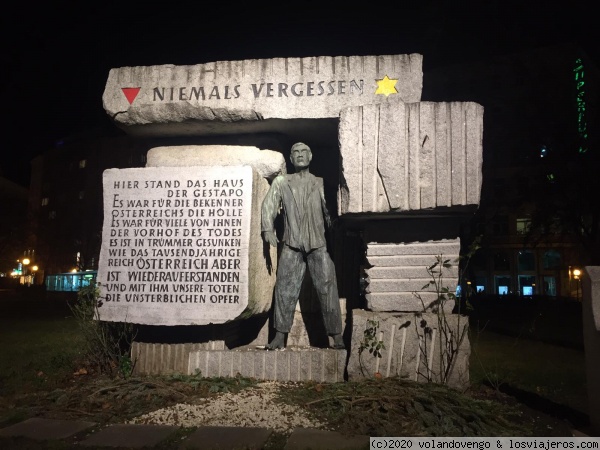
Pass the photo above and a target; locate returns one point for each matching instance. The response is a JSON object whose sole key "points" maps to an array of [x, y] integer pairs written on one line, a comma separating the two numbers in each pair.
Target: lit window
{"points": [[82, 163], [45, 201], [523, 225], [52, 215], [81, 195]]}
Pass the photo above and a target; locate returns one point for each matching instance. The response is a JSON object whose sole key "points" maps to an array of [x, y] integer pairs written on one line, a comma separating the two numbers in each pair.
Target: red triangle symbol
{"points": [[131, 93]]}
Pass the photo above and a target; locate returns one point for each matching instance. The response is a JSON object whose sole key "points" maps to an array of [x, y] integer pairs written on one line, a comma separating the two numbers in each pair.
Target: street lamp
{"points": [[577, 276]]}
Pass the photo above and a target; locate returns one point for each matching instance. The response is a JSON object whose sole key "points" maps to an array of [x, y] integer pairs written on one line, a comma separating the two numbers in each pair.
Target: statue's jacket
{"points": [[304, 225]]}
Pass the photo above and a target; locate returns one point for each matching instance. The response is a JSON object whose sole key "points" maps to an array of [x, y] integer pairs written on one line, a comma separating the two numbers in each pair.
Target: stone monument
{"points": [[406, 173]]}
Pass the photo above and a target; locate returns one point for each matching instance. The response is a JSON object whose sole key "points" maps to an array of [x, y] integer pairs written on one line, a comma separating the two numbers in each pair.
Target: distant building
{"points": [[540, 125], [13, 198], [66, 198]]}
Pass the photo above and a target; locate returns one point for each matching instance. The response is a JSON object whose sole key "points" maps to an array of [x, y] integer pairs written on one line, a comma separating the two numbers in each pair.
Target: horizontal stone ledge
{"points": [[404, 302], [388, 273], [448, 249], [416, 285], [401, 260]]}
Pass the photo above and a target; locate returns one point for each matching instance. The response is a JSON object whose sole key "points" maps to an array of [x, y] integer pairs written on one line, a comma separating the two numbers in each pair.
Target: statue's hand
{"points": [[269, 236]]}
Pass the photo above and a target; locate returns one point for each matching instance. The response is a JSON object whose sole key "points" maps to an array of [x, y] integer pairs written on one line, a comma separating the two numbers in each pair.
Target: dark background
{"points": [[57, 56]]}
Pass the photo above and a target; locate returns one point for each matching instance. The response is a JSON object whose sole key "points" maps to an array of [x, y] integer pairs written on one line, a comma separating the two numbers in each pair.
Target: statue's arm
{"points": [[326, 215], [269, 211]]}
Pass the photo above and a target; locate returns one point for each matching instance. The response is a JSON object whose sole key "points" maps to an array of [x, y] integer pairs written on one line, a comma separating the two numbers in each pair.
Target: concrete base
{"points": [[408, 352], [290, 364]]}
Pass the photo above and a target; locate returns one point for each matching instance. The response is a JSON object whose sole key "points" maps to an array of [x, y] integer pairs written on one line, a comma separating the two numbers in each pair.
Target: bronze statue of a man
{"points": [[302, 199]]}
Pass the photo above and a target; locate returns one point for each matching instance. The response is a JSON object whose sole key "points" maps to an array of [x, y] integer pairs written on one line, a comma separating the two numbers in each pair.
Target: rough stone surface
{"points": [[163, 359], [408, 352], [160, 257], [198, 96], [267, 163], [398, 279], [591, 336], [290, 364], [410, 156]]}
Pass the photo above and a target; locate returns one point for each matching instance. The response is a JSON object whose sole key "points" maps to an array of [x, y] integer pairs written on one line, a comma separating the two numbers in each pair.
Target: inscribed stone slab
{"points": [[254, 90], [175, 245]]}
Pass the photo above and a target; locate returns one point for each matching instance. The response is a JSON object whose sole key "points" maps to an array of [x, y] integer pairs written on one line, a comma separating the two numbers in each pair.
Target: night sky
{"points": [[57, 57]]}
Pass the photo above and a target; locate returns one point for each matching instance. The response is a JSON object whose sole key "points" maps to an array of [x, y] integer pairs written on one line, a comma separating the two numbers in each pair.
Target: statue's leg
{"points": [[290, 273], [322, 272]]}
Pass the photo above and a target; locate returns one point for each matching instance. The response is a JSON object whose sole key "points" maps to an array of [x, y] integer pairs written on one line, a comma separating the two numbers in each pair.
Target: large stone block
{"points": [[267, 163], [410, 156], [182, 246], [399, 277], [591, 336], [180, 100], [409, 351]]}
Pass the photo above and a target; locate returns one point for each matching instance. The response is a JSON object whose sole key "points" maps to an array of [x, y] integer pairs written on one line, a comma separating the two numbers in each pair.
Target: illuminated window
{"points": [[502, 285], [82, 163], [523, 225], [550, 286], [52, 215], [527, 285], [45, 201], [81, 195]]}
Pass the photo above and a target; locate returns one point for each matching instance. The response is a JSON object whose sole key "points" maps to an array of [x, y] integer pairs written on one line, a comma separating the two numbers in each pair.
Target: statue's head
{"points": [[300, 155]]}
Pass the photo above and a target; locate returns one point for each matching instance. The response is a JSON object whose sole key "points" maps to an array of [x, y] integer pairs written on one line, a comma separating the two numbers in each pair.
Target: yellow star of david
{"points": [[386, 86]]}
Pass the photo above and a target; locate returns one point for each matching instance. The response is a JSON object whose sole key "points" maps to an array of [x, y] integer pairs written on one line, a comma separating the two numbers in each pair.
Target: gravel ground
{"points": [[252, 407]]}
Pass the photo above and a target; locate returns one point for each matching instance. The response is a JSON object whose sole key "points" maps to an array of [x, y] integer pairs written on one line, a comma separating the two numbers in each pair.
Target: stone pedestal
{"points": [[591, 341], [409, 350]]}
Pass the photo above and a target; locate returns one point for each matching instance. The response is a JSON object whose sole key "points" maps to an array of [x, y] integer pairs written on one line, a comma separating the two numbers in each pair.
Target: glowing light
{"points": [[580, 98]]}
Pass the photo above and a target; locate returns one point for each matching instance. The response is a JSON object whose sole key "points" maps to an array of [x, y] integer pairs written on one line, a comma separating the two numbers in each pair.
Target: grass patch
{"points": [[549, 371], [37, 353], [395, 407]]}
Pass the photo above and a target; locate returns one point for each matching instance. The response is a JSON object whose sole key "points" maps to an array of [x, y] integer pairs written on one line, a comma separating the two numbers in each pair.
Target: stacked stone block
{"points": [[398, 277], [410, 156]]}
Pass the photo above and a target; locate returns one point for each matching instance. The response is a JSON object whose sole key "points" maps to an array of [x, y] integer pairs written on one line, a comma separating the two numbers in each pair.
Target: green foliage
{"points": [[370, 342], [107, 345], [449, 336]]}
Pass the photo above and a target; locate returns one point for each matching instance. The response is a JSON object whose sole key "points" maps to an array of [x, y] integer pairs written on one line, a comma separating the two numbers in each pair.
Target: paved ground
{"points": [[65, 434]]}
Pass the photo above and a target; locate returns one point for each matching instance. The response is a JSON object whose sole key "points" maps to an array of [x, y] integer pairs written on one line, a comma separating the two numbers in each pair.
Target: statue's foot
{"points": [[338, 342], [277, 342]]}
